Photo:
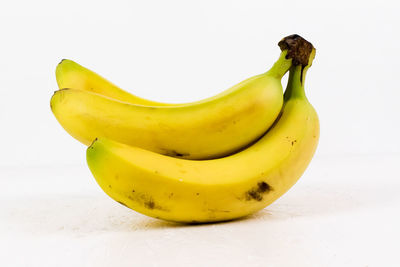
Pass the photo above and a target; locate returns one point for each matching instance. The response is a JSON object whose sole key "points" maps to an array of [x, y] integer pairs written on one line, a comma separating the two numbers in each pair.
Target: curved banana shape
{"points": [[70, 74], [211, 128], [219, 189]]}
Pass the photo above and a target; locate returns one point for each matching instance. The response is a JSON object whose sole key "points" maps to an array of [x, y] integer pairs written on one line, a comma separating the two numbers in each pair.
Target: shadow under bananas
{"points": [[79, 215]]}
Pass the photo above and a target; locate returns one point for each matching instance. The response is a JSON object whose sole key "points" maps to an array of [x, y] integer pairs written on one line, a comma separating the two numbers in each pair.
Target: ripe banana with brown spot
{"points": [[219, 189]]}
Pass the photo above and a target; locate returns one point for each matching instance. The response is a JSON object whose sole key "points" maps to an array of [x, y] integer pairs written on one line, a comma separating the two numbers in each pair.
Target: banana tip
{"points": [[62, 61], [93, 142]]}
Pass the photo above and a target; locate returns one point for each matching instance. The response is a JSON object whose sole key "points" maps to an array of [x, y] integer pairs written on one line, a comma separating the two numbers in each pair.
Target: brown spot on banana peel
{"points": [[150, 204], [146, 201], [175, 154], [257, 192]]}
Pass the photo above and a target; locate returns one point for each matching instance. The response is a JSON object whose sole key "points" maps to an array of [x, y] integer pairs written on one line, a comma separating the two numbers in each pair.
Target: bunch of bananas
{"points": [[217, 159]]}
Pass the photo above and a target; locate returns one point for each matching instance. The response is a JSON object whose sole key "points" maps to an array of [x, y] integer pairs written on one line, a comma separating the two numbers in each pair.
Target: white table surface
{"points": [[344, 211]]}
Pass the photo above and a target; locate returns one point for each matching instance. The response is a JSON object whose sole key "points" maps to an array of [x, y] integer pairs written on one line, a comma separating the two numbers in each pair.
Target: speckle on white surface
{"points": [[342, 212]]}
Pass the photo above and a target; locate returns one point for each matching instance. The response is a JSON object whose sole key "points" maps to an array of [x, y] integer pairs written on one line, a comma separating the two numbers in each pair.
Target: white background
{"points": [[343, 212]]}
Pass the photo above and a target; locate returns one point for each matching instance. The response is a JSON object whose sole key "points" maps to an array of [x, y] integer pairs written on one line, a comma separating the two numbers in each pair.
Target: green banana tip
{"points": [[62, 61], [93, 143], [92, 151], [92, 154], [298, 49]]}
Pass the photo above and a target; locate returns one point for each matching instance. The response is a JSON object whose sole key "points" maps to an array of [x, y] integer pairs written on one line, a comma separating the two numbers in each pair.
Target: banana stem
{"points": [[296, 51], [281, 66], [297, 77], [295, 85]]}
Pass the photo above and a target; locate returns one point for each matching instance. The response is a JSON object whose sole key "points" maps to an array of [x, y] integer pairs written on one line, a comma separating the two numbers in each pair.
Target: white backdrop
{"points": [[178, 51], [343, 212]]}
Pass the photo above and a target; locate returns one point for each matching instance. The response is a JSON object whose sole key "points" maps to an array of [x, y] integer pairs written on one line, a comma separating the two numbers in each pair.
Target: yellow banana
{"points": [[213, 190], [207, 129], [70, 74]]}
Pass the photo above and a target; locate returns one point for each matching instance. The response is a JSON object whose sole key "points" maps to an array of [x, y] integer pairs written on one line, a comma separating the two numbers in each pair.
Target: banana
{"points": [[70, 74], [221, 189], [207, 129]]}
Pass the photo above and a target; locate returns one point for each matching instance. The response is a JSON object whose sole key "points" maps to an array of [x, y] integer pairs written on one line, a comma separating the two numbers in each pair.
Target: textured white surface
{"points": [[342, 212]]}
